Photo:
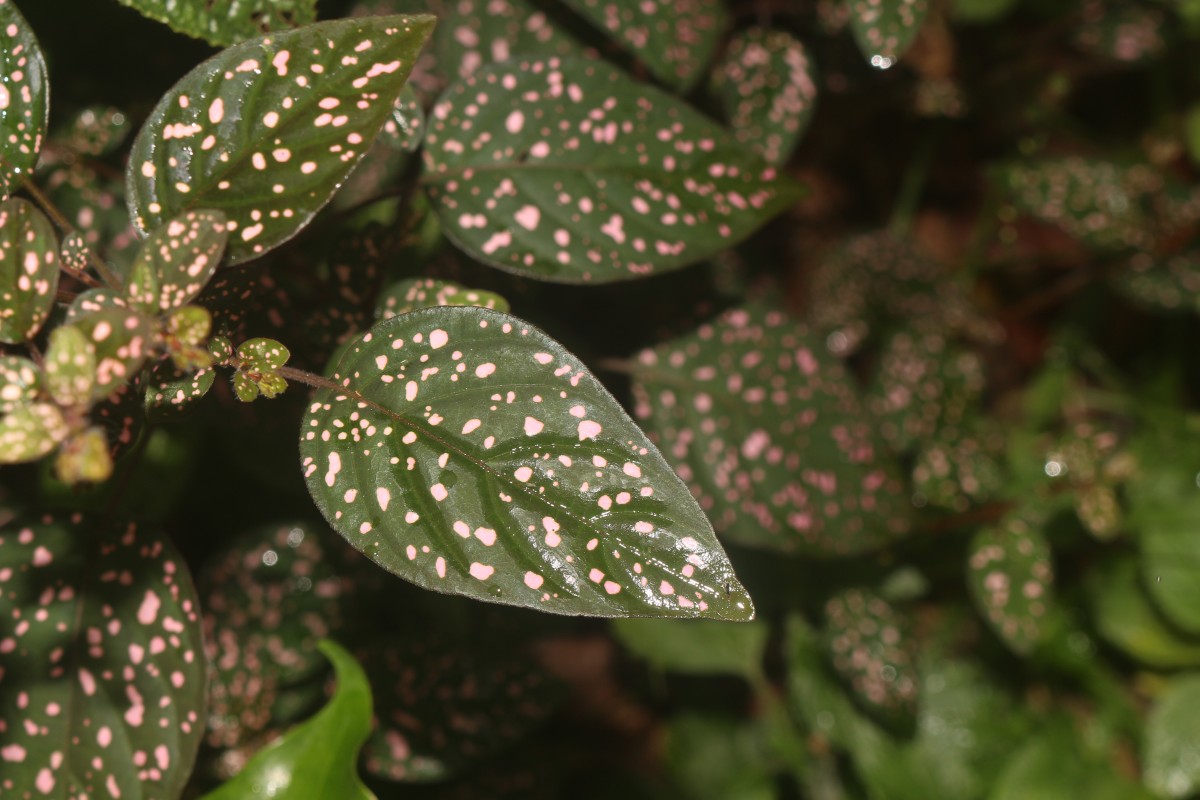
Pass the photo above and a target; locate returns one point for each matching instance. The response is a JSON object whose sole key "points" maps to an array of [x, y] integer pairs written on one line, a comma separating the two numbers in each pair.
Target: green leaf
{"points": [[1172, 739], [30, 431], [121, 339], [571, 171], [318, 758], [94, 300], [884, 29], [768, 91], [871, 651], [768, 431], [1124, 32], [20, 382], [413, 293], [957, 468], [229, 22], [406, 128], [441, 709], [696, 647], [170, 392], [471, 454], [1167, 282], [1053, 765], [1011, 577], [28, 269], [104, 686], [186, 334], [1125, 618], [267, 130], [176, 262], [474, 33], [97, 131], [714, 758], [24, 99], [675, 39], [262, 354], [1191, 133], [70, 366]]}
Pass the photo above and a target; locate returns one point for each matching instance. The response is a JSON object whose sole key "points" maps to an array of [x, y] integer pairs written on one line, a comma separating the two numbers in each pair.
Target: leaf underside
{"points": [[472, 454]]}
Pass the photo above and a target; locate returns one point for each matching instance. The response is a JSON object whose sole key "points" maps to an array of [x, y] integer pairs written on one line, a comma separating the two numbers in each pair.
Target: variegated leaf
{"points": [[24, 98], [28, 269], [177, 261], [230, 21], [1011, 576]]}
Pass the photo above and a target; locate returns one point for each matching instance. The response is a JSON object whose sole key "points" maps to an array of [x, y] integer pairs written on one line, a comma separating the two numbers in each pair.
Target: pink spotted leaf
{"points": [[441, 710], [257, 373], [269, 597], [884, 29], [70, 366], [29, 431], [871, 651], [1121, 31], [267, 130], [768, 90], [102, 679], [170, 392], [97, 131], [1168, 282], [1011, 577], [94, 300], [413, 293], [28, 269], [769, 433], [675, 39], [177, 261], [569, 170], [24, 98], [20, 382], [957, 467], [471, 454], [229, 22], [121, 340], [475, 33]]}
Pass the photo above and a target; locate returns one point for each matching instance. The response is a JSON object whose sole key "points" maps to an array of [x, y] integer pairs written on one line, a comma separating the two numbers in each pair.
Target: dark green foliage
{"points": [[851, 341]]}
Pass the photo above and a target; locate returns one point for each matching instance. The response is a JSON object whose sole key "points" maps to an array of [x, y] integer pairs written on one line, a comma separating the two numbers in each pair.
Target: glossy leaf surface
{"points": [[177, 261], [101, 673], [768, 90], [472, 454], [442, 709], [413, 293], [571, 171], [229, 22], [1011, 577], [28, 269], [768, 431], [675, 39], [318, 758], [24, 98], [884, 29], [266, 130]]}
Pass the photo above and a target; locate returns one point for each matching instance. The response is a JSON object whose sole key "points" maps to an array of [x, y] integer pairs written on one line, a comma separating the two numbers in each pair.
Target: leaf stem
{"points": [[47, 205]]}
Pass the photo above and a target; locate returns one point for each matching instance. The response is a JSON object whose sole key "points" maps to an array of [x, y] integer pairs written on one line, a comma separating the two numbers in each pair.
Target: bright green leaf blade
{"points": [[263, 354], [714, 758], [442, 709], [1125, 618], [102, 679], [229, 22], [177, 261], [24, 98], [1011, 577], [28, 269], [696, 647], [884, 29], [474, 455], [318, 758], [675, 39], [768, 90], [571, 171], [267, 130], [769, 433], [1172, 739]]}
